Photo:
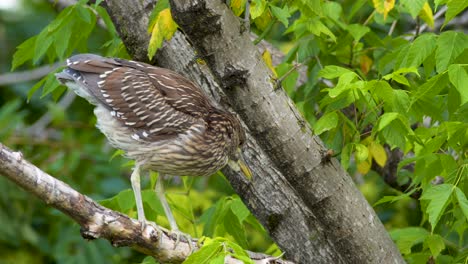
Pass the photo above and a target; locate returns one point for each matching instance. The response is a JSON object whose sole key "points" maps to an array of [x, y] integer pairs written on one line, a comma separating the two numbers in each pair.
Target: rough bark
{"points": [[311, 209]]}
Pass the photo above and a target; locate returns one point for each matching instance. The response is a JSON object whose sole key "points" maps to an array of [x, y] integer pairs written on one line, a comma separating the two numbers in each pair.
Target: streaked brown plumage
{"points": [[159, 118]]}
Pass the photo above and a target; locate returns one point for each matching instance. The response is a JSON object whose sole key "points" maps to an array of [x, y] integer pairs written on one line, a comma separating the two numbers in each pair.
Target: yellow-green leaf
{"points": [[378, 153], [364, 167], [383, 6], [238, 6], [427, 15], [361, 153], [257, 7], [164, 28], [267, 58]]}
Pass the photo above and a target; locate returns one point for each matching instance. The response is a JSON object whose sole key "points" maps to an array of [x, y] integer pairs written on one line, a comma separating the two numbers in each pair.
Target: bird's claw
{"points": [[155, 227], [179, 234]]}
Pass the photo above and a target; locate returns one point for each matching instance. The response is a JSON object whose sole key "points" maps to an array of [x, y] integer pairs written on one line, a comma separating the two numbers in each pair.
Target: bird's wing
{"points": [[156, 103]]}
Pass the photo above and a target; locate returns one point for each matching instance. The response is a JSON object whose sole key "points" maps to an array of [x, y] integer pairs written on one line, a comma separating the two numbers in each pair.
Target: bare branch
{"points": [[37, 129], [25, 76], [97, 221]]}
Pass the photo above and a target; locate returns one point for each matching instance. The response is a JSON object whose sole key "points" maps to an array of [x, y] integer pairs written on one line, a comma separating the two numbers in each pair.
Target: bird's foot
{"points": [[178, 234], [149, 226]]}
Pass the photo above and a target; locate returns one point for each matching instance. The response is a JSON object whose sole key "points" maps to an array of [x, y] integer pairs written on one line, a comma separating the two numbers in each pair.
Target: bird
{"points": [[160, 119]]}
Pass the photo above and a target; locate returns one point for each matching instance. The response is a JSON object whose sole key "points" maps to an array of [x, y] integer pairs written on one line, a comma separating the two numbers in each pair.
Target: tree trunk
{"points": [[310, 207]]}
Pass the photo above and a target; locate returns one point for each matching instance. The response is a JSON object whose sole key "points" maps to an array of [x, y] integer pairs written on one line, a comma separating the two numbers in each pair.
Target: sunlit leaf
{"points": [[435, 243], [361, 152], [462, 201], [332, 71], [205, 254], [459, 78], [450, 45], [282, 14], [454, 7], [378, 153], [439, 198], [427, 15], [406, 238], [413, 6], [24, 52], [327, 122]]}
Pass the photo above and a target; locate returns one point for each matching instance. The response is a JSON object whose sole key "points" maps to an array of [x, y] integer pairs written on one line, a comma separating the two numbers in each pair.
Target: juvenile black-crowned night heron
{"points": [[159, 118]]}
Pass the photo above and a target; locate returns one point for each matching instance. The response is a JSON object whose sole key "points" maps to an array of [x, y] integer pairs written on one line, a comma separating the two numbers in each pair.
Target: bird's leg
{"points": [[159, 189], [135, 180]]}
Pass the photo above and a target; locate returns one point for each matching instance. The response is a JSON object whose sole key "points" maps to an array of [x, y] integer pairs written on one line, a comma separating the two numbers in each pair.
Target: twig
{"points": [[392, 27], [97, 221], [37, 129], [26, 76], [247, 15], [266, 31]]}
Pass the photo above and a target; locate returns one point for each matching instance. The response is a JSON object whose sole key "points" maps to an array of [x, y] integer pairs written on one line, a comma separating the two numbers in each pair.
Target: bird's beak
{"points": [[240, 166]]}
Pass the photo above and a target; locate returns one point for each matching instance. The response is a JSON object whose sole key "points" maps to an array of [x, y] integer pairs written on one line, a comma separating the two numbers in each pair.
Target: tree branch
{"points": [[97, 221], [25, 76]]}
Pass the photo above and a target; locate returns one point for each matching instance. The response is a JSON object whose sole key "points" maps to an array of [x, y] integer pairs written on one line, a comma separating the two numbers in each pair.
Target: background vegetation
{"points": [[385, 87]]}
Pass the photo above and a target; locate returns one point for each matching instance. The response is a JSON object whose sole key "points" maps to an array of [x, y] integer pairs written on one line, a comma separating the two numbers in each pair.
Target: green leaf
{"points": [[24, 52], [84, 13], [118, 152], [316, 27], [462, 201], [430, 88], [346, 155], [43, 42], [421, 48], [406, 238], [459, 78], [357, 31], [361, 152], [435, 243], [149, 260], [438, 197], [392, 199], [332, 72], [205, 254], [413, 6], [308, 47], [102, 12], [239, 253], [38, 85], [327, 122], [386, 119], [234, 227], [400, 101], [450, 44], [218, 259], [454, 7], [239, 209], [282, 14], [343, 84]]}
